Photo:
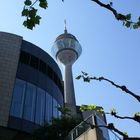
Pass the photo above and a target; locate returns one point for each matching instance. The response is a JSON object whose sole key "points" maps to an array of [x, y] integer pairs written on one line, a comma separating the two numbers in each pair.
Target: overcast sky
{"points": [[109, 49]]}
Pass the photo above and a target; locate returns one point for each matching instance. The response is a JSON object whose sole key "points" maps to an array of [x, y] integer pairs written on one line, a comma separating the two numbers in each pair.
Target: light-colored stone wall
{"points": [[9, 56], [88, 135]]}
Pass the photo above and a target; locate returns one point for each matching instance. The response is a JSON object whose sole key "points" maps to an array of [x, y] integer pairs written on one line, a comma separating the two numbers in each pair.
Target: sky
{"points": [[108, 49]]}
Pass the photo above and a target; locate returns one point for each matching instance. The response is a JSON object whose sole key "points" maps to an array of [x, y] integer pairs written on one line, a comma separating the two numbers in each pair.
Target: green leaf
{"points": [[42, 0], [43, 4], [126, 135], [25, 23], [32, 12], [27, 2], [137, 113], [83, 108], [127, 24], [25, 12], [30, 24], [128, 17], [113, 112], [86, 79], [101, 111], [90, 107], [37, 19], [94, 106], [78, 77], [135, 26]]}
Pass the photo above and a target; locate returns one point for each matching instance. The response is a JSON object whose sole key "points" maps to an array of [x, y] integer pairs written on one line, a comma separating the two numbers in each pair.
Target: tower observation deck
{"points": [[66, 50]]}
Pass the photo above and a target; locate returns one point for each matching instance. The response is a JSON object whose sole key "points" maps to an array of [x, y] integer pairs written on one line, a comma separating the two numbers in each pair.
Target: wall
{"points": [[88, 135], [9, 55]]}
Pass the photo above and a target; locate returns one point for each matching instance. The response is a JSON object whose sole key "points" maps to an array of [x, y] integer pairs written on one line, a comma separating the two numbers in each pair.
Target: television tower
{"points": [[66, 50]]}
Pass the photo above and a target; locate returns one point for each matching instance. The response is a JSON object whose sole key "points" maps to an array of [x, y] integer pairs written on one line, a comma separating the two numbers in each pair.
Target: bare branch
{"points": [[86, 78], [117, 15], [135, 118], [126, 19], [123, 88]]}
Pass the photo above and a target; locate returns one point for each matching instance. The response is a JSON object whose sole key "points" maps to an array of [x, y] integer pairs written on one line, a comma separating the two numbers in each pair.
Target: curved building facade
{"points": [[31, 84]]}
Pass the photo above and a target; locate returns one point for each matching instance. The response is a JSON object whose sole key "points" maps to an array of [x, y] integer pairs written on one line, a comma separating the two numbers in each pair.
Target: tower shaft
{"points": [[66, 50], [69, 94]]}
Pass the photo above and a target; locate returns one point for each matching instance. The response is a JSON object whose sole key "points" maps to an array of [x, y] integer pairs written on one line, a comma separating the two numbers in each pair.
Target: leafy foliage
{"points": [[30, 13], [32, 21], [113, 112], [126, 19], [59, 128], [65, 112]]}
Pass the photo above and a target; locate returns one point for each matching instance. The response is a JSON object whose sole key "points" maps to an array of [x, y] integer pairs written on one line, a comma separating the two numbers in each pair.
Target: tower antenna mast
{"points": [[65, 26], [66, 50]]}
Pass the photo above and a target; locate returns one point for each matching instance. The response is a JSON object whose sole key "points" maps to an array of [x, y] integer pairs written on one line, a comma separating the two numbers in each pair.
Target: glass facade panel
{"points": [[29, 103], [59, 113], [102, 130], [49, 108], [18, 99], [33, 103], [40, 65], [39, 106], [55, 110]]}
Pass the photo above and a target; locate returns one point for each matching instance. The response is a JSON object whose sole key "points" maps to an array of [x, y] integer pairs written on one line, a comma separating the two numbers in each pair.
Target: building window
{"points": [[34, 62], [40, 65], [18, 99], [103, 132], [55, 110], [29, 102], [50, 72], [40, 107], [32, 103], [55, 78], [24, 57], [49, 108]]}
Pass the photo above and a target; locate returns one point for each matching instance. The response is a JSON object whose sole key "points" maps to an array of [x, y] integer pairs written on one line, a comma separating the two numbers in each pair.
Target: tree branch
{"points": [[125, 18], [86, 78], [135, 118], [117, 15], [123, 88], [113, 112]]}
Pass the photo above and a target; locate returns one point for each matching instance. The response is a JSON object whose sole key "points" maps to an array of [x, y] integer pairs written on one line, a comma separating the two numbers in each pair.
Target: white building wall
{"points": [[88, 135]]}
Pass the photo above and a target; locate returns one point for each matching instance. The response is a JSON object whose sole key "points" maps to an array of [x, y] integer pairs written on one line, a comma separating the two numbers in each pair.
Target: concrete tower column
{"points": [[69, 94], [66, 50]]}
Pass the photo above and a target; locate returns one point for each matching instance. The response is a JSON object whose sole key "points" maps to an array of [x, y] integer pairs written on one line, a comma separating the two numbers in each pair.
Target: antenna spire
{"points": [[65, 27]]}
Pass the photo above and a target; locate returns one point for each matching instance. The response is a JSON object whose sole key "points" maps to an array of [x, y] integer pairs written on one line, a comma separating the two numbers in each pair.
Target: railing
{"points": [[84, 126]]}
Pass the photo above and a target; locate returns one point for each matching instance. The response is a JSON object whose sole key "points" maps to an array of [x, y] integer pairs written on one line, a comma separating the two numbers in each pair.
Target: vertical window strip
{"points": [[33, 104]]}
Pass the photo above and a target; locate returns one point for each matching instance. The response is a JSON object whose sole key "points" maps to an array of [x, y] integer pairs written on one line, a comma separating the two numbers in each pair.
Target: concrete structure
{"points": [[83, 131], [9, 55], [66, 50], [31, 86]]}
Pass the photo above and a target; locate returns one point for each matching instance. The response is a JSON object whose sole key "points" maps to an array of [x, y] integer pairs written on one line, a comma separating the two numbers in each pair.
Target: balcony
{"points": [[83, 131]]}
